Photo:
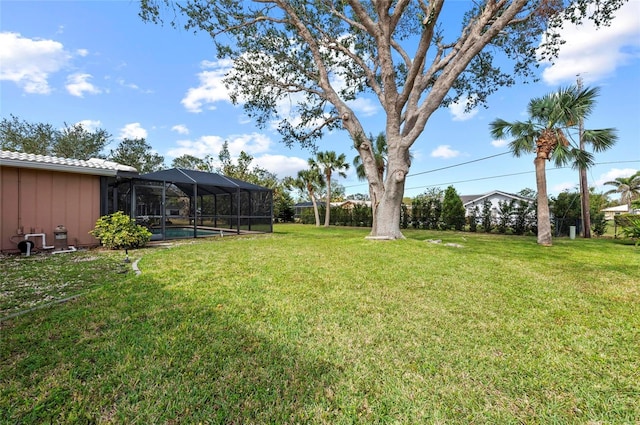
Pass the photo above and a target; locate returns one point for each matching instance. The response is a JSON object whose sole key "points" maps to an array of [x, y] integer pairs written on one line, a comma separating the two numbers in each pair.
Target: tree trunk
{"points": [[544, 219], [584, 204], [327, 213], [387, 204], [315, 210]]}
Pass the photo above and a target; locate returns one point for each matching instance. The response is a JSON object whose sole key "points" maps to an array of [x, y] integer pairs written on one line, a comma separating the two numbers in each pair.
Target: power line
{"points": [[490, 177], [444, 168], [513, 174], [457, 165]]}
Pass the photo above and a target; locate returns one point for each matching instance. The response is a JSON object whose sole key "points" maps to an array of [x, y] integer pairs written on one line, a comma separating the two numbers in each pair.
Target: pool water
{"points": [[183, 232]]}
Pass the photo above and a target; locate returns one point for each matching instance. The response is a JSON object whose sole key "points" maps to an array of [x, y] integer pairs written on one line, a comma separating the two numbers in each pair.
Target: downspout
{"points": [[20, 228]]}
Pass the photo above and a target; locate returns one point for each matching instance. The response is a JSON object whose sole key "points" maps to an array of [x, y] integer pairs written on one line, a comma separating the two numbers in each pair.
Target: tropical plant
{"points": [[548, 134], [119, 231], [320, 56], [378, 147], [329, 162], [310, 182], [627, 187]]}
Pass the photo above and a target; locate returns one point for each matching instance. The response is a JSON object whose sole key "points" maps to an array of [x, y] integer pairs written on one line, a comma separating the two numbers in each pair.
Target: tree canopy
{"points": [[72, 141], [318, 57]]}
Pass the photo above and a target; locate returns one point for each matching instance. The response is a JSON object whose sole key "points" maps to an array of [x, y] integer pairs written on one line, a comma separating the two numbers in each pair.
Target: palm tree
{"points": [[329, 162], [308, 181], [627, 187], [548, 134], [379, 149]]}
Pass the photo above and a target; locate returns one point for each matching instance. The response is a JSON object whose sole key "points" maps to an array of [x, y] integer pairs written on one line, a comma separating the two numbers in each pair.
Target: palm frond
{"points": [[601, 139]]}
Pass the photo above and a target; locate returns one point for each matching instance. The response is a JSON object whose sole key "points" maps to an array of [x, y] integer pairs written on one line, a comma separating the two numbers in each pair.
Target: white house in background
{"points": [[495, 197], [611, 212]]}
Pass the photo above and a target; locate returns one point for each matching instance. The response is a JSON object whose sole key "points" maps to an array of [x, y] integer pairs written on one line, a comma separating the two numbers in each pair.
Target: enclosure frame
{"points": [[181, 203]]}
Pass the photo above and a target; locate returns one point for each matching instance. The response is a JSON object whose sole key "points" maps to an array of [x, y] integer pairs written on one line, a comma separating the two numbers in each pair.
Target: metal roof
{"points": [[94, 166], [206, 182]]}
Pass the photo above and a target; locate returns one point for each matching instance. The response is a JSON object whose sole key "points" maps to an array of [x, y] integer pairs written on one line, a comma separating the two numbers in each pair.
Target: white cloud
{"points": [[561, 187], [180, 129], [211, 88], [252, 144], [457, 110], [133, 131], [82, 52], [365, 106], [613, 174], [90, 125], [281, 165], [596, 53], [78, 85], [29, 62], [444, 151], [499, 143]]}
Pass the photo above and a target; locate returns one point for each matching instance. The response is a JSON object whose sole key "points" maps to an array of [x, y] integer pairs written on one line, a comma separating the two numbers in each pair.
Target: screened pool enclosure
{"points": [[180, 203]]}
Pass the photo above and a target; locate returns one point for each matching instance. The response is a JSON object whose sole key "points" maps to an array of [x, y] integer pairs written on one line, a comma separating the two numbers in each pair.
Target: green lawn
{"points": [[320, 326]]}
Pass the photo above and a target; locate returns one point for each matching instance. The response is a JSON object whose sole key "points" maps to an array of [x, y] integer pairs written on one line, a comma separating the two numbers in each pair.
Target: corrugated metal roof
{"points": [[95, 166]]}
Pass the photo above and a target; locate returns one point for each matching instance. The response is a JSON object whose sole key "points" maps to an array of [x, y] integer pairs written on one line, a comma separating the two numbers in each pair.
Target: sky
{"points": [[97, 63]]}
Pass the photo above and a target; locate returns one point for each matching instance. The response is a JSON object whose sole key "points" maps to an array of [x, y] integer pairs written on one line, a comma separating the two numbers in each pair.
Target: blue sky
{"points": [[97, 63]]}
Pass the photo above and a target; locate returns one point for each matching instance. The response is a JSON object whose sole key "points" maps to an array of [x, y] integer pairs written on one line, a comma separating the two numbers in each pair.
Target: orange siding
{"points": [[38, 200]]}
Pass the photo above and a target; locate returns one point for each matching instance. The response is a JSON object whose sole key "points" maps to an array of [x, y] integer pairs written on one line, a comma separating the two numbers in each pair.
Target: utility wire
{"points": [[488, 177], [444, 168], [457, 165]]}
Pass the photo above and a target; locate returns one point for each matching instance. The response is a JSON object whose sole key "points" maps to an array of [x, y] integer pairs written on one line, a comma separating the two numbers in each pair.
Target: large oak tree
{"points": [[320, 55]]}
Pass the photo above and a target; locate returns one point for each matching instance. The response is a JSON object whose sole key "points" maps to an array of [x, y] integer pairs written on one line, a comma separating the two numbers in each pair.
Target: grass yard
{"points": [[320, 326]]}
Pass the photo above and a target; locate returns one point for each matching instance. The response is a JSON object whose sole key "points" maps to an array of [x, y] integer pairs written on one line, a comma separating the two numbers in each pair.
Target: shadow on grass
{"points": [[137, 352]]}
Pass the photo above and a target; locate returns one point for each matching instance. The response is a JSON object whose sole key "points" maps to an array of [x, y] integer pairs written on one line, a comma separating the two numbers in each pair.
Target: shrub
{"points": [[630, 224], [117, 231], [599, 224]]}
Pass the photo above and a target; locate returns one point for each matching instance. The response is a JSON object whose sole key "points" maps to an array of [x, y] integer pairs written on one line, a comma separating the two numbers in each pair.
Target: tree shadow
{"points": [[147, 353]]}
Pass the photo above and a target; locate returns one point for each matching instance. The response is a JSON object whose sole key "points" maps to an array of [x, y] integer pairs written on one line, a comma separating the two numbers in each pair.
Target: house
{"points": [[611, 212], [40, 196], [349, 204], [494, 197], [38, 193]]}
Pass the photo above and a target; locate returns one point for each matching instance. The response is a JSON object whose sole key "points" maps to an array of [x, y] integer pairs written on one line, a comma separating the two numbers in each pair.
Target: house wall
{"points": [[495, 201], [36, 201]]}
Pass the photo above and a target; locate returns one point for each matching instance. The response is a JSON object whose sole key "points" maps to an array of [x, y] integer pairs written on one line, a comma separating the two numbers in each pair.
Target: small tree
{"points": [[327, 163], [505, 210], [598, 223], [137, 153], [118, 231], [487, 216], [473, 219], [453, 212]]}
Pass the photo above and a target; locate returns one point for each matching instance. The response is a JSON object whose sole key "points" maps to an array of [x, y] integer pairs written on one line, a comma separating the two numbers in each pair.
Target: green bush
{"points": [[598, 224], [630, 224], [117, 231]]}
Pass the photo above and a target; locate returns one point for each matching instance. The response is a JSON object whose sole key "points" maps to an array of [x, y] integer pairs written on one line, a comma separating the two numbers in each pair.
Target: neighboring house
{"points": [[38, 193], [611, 212], [495, 197], [300, 207]]}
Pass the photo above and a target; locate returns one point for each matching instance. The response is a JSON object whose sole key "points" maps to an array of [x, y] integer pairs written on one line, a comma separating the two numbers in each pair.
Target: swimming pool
{"points": [[183, 232]]}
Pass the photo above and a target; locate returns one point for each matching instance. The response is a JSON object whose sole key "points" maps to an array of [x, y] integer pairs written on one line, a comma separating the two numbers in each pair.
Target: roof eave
{"points": [[19, 163]]}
